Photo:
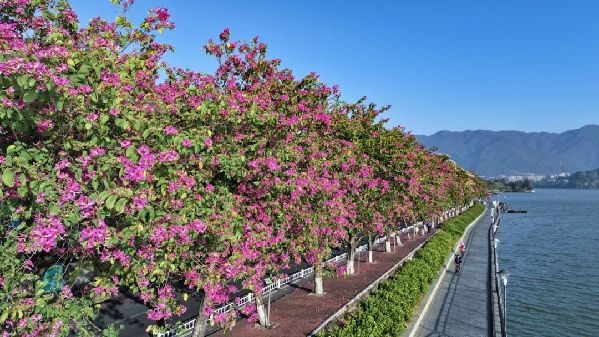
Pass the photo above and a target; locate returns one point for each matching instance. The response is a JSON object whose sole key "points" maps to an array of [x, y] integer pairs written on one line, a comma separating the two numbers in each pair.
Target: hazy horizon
{"points": [[506, 130]]}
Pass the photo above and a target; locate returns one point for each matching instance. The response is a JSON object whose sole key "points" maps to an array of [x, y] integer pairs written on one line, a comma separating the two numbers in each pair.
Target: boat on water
{"points": [[516, 211]]}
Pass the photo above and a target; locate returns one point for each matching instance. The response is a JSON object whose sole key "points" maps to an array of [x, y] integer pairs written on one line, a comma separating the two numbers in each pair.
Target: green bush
{"points": [[388, 310]]}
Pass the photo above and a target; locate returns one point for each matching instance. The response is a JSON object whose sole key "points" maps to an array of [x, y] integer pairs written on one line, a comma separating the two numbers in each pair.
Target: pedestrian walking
{"points": [[462, 248]]}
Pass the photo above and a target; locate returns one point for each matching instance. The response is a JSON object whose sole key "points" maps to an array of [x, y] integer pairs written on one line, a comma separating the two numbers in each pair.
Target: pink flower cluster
{"points": [[45, 234], [94, 236]]}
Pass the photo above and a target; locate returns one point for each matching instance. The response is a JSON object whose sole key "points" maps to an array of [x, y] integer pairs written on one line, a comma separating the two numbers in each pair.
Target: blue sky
{"points": [[442, 65]]}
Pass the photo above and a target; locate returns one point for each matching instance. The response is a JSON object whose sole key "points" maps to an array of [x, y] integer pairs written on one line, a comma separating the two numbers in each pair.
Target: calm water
{"points": [[552, 254]]}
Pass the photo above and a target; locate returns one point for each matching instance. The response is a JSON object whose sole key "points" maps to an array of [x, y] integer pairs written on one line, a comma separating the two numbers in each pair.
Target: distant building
{"points": [[531, 177], [559, 175]]}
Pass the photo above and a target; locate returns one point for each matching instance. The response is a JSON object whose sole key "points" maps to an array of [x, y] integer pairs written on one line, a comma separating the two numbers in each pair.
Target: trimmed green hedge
{"points": [[389, 309]]}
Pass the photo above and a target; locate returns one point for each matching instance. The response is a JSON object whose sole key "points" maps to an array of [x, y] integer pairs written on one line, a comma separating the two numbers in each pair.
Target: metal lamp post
{"points": [[503, 275]]}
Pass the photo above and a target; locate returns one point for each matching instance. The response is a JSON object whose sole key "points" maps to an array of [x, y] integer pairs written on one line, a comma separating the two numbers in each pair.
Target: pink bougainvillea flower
{"points": [[140, 201], [197, 226], [46, 233], [170, 130], [44, 125], [186, 143], [225, 34], [271, 163], [92, 117]]}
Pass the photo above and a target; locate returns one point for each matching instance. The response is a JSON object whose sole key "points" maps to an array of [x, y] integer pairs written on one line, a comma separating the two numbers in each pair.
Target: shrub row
{"points": [[388, 310]]}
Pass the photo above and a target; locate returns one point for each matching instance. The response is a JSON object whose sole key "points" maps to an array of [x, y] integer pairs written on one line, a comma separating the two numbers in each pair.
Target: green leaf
{"points": [[8, 177], [84, 71], [25, 156], [110, 201], [131, 152], [120, 205], [30, 97], [12, 149], [60, 104], [104, 195], [73, 218], [22, 80], [22, 190], [53, 209], [152, 213]]}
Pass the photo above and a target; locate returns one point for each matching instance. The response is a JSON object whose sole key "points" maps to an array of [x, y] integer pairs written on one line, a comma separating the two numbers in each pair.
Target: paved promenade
{"points": [[461, 305]]}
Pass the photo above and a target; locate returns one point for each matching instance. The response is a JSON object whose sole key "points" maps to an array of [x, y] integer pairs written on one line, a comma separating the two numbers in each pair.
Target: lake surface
{"points": [[552, 254]]}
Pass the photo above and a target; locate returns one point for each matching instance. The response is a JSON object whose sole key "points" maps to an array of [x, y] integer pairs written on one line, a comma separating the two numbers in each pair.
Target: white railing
{"points": [[188, 326]]}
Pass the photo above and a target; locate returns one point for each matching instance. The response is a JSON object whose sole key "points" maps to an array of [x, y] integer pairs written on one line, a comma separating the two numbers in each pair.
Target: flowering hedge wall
{"points": [[144, 177]]}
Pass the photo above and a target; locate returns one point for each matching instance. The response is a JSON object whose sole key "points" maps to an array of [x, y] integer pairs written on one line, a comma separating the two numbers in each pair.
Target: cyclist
{"points": [[458, 262]]}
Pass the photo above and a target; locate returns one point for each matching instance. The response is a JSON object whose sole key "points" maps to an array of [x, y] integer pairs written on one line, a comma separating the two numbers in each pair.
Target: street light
{"points": [[503, 276]]}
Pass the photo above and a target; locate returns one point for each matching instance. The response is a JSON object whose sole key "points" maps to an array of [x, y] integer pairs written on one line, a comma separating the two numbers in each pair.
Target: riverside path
{"points": [[461, 306]]}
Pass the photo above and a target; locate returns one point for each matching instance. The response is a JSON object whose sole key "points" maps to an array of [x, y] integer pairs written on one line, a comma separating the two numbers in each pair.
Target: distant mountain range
{"points": [[495, 153]]}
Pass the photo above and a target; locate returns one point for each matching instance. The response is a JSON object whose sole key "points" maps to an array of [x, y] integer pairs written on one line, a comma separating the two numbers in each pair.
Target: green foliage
{"points": [[388, 310], [513, 186]]}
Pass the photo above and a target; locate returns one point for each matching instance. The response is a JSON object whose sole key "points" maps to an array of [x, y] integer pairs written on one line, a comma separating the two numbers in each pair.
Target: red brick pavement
{"points": [[300, 312]]}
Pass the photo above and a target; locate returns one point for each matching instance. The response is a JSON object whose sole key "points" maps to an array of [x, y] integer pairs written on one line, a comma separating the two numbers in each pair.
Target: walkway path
{"points": [[299, 313], [461, 305]]}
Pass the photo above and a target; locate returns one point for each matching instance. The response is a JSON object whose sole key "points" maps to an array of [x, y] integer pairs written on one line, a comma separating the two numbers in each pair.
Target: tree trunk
{"points": [[318, 289], [262, 316], [351, 255], [199, 328], [388, 243], [370, 248]]}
